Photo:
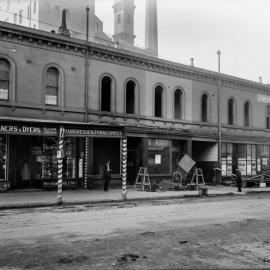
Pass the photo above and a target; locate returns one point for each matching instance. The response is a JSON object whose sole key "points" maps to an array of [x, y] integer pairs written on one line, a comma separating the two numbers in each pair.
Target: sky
{"points": [[198, 28]]}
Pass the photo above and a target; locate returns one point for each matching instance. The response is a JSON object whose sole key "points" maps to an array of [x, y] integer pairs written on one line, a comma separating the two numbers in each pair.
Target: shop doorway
{"points": [[134, 159]]}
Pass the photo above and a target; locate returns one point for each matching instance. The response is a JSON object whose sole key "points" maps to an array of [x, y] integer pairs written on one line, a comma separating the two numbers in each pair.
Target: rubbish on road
{"points": [[128, 258]]}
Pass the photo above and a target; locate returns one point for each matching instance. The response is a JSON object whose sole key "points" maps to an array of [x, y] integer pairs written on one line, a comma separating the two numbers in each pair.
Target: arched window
{"points": [[130, 97], [158, 101], [231, 111], [247, 114], [268, 116], [178, 104], [205, 108], [52, 86], [4, 79], [106, 92]]}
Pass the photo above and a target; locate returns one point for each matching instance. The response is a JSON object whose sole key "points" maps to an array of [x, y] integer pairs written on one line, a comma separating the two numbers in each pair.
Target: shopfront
{"points": [[251, 159], [28, 154]]}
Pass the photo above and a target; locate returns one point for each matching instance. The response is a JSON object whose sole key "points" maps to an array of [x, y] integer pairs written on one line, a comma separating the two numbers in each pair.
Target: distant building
{"points": [[46, 15]]}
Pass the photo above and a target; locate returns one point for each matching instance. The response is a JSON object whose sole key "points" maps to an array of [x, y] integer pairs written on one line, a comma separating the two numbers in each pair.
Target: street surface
{"points": [[222, 232]]}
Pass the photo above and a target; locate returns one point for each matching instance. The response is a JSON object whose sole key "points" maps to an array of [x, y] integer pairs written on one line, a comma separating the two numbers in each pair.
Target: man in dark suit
{"points": [[238, 179], [107, 175]]}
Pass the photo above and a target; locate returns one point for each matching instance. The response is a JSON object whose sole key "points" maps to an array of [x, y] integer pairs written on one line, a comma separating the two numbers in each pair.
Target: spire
{"points": [[63, 28], [151, 27]]}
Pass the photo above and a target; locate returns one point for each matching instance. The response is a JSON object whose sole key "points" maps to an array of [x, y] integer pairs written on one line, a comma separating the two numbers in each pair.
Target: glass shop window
{"points": [[159, 156], [3, 157], [49, 160], [52, 86], [69, 162], [4, 79]]}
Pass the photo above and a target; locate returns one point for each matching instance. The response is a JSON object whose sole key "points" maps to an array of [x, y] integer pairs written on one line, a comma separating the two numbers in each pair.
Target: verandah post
{"points": [[60, 156], [124, 167]]}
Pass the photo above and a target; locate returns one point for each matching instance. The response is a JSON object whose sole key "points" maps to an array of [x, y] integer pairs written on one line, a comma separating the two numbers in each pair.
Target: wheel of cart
{"points": [[177, 178]]}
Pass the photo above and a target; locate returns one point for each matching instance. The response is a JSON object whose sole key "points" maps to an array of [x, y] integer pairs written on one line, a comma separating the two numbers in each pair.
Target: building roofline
{"points": [[127, 57]]}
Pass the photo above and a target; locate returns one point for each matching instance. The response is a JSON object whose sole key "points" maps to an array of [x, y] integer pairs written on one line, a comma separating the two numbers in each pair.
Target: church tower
{"points": [[124, 22], [151, 28]]}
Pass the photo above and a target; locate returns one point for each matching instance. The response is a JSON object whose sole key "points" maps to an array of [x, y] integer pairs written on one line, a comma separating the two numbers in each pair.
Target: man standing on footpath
{"points": [[107, 175], [238, 179]]}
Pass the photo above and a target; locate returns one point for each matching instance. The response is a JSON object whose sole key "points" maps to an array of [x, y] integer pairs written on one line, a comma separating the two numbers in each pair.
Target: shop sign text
{"points": [[93, 133], [28, 130]]}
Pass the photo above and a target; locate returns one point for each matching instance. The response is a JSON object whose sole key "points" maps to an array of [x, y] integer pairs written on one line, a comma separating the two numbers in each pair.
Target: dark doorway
{"points": [[134, 159]]}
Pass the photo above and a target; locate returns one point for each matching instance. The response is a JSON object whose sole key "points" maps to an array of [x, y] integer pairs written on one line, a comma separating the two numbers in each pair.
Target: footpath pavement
{"points": [[41, 198]]}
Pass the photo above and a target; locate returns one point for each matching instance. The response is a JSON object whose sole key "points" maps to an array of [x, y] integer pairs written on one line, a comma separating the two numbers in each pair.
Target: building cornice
{"points": [[27, 36]]}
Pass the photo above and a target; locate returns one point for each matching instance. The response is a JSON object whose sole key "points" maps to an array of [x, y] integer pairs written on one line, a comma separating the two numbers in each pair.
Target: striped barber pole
{"points": [[60, 164], [85, 162], [124, 168]]}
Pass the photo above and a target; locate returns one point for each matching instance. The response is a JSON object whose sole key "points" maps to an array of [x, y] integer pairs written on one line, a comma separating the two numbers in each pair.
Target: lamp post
{"points": [[219, 119]]}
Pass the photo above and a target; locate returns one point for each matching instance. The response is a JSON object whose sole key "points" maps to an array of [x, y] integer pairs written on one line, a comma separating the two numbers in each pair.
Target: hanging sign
{"points": [[92, 133], [27, 130]]}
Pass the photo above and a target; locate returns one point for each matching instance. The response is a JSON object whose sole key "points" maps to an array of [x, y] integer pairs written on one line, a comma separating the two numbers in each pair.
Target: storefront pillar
{"points": [[124, 168], [189, 148], [60, 155]]}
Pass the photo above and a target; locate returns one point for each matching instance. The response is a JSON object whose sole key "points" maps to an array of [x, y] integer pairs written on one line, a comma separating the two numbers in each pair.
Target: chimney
{"points": [[91, 25], [151, 27], [63, 28], [192, 62], [260, 79]]}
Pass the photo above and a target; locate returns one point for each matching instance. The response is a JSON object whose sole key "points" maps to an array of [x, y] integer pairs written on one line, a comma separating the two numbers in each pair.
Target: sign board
{"points": [[50, 100], [263, 98], [4, 94], [92, 133], [157, 159], [48, 131], [186, 163], [27, 130]]}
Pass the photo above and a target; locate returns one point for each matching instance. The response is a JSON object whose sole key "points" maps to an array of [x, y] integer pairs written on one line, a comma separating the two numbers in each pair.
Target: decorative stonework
{"points": [[18, 34]]}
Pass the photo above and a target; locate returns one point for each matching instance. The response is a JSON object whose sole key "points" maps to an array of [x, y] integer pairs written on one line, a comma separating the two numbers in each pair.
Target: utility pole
{"points": [[219, 120]]}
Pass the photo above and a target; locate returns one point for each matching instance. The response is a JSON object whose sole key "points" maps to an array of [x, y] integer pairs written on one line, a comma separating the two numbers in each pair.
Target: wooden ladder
{"points": [[142, 179], [198, 174]]}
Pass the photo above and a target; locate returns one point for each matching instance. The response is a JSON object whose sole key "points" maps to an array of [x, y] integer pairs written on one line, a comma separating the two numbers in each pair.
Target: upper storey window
{"points": [[158, 101], [4, 79], [231, 112], [268, 117], [178, 104], [247, 114], [52, 86], [130, 97], [106, 93], [205, 108]]}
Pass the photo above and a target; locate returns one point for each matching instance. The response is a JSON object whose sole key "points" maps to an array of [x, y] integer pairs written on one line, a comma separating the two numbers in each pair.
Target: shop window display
{"points": [[226, 159], [48, 161]]}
